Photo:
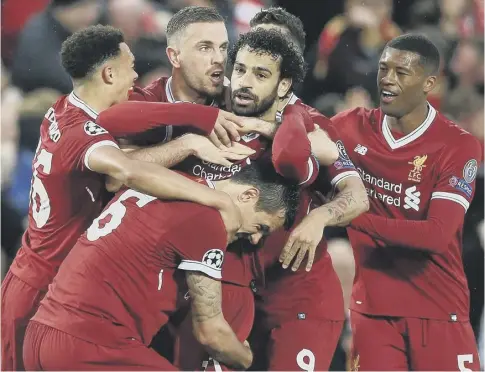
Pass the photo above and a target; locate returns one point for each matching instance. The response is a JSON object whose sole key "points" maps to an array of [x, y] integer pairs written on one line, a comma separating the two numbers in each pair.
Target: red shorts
{"points": [[411, 344], [295, 345], [20, 301], [48, 349], [238, 310]]}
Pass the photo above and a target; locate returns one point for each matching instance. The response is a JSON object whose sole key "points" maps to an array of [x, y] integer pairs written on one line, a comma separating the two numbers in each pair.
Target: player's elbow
{"points": [[126, 174]]}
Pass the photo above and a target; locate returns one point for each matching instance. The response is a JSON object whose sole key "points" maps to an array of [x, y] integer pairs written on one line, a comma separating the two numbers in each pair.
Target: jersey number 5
{"points": [[117, 211], [39, 199]]}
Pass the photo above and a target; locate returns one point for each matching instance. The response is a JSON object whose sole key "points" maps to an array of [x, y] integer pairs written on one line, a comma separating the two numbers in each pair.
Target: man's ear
{"points": [[430, 84], [107, 73], [173, 55], [284, 87], [248, 196]]}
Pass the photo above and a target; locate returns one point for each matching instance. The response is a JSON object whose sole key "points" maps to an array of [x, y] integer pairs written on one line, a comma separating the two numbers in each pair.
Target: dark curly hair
{"points": [[87, 49], [274, 43], [280, 17]]}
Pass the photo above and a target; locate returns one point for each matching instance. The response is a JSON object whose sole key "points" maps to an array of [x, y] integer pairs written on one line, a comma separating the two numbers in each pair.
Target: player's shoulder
{"points": [[70, 124], [296, 103], [153, 92], [357, 113], [452, 135]]}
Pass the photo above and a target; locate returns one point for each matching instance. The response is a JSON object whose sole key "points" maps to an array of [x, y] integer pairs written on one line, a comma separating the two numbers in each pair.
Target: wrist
{"points": [[321, 215], [266, 129], [188, 144]]}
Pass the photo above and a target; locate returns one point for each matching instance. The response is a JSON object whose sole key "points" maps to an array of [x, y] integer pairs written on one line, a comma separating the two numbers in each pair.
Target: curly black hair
{"points": [[274, 43], [87, 49], [280, 17]]}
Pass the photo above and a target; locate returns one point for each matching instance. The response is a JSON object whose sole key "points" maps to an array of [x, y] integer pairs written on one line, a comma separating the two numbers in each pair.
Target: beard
{"points": [[256, 106], [206, 90]]}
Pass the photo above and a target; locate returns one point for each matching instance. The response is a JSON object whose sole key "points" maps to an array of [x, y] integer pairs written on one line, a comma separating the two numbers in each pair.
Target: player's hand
{"points": [[231, 216], [204, 149], [303, 240], [226, 129], [256, 125]]}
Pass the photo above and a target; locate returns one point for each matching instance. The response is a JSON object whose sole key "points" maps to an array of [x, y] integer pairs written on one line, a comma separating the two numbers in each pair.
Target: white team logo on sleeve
{"points": [[93, 129], [470, 170], [213, 258]]}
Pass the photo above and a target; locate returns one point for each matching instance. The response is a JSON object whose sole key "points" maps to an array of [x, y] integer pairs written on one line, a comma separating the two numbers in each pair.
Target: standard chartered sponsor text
{"points": [[214, 172], [383, 184]]}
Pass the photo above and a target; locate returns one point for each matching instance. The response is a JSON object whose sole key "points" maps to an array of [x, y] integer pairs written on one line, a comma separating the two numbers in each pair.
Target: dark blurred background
{"points": [[344, 41]]}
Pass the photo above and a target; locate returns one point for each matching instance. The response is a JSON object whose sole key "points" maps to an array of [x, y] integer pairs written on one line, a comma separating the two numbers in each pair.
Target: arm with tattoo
{"points": [[210, 327], [350, 202]]}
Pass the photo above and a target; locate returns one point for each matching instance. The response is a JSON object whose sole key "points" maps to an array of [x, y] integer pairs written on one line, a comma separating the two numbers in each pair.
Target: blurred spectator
{"points": [[350, 45], [464, 102], [37, 61], [11, 102], [15, 13], [11, 222], [143, 25], [244, 11], [31, 114]]}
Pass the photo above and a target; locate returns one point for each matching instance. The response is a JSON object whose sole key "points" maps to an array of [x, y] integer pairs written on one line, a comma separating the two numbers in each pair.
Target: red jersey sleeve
{"points": [[450, 199], [131, 117], [202, 244], [458, 169], [343, 167], [90, 136], [291, 150]]}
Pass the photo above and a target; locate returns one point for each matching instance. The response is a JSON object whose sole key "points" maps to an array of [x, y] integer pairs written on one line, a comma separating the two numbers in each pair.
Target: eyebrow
{"points": [[260, 68], [205, 42]]}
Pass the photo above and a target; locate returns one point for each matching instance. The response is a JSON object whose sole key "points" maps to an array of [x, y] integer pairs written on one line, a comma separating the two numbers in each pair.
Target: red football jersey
{"points": [[125, 274], [65, 195], [408, 247]]}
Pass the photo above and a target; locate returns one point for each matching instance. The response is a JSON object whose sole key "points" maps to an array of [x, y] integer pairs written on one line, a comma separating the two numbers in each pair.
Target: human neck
{"points": [[182, 92], [94, 97], [270, 114], [221, 185], [408, 123]]}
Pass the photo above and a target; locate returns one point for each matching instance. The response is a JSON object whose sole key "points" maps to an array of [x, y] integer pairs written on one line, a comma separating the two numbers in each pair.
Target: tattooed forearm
{"points": [[205, 294], [350, 202], [341, 209]]}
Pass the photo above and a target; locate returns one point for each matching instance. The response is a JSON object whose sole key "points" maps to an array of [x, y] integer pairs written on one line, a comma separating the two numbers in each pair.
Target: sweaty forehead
{"points": [[214, 32], [257, 59], [401, 58]]}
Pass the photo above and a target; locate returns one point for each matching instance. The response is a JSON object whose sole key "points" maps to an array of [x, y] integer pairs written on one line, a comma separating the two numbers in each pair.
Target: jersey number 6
{"points": [[117, 211]]}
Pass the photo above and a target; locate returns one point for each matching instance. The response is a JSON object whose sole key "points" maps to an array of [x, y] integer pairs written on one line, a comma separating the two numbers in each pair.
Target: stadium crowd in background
{"points": [[343, 46]]}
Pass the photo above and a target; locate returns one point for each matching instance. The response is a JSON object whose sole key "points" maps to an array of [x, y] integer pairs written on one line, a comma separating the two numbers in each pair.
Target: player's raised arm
{"points": [[160, 182], [131, 117], [210, 327], [449, 202]]}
